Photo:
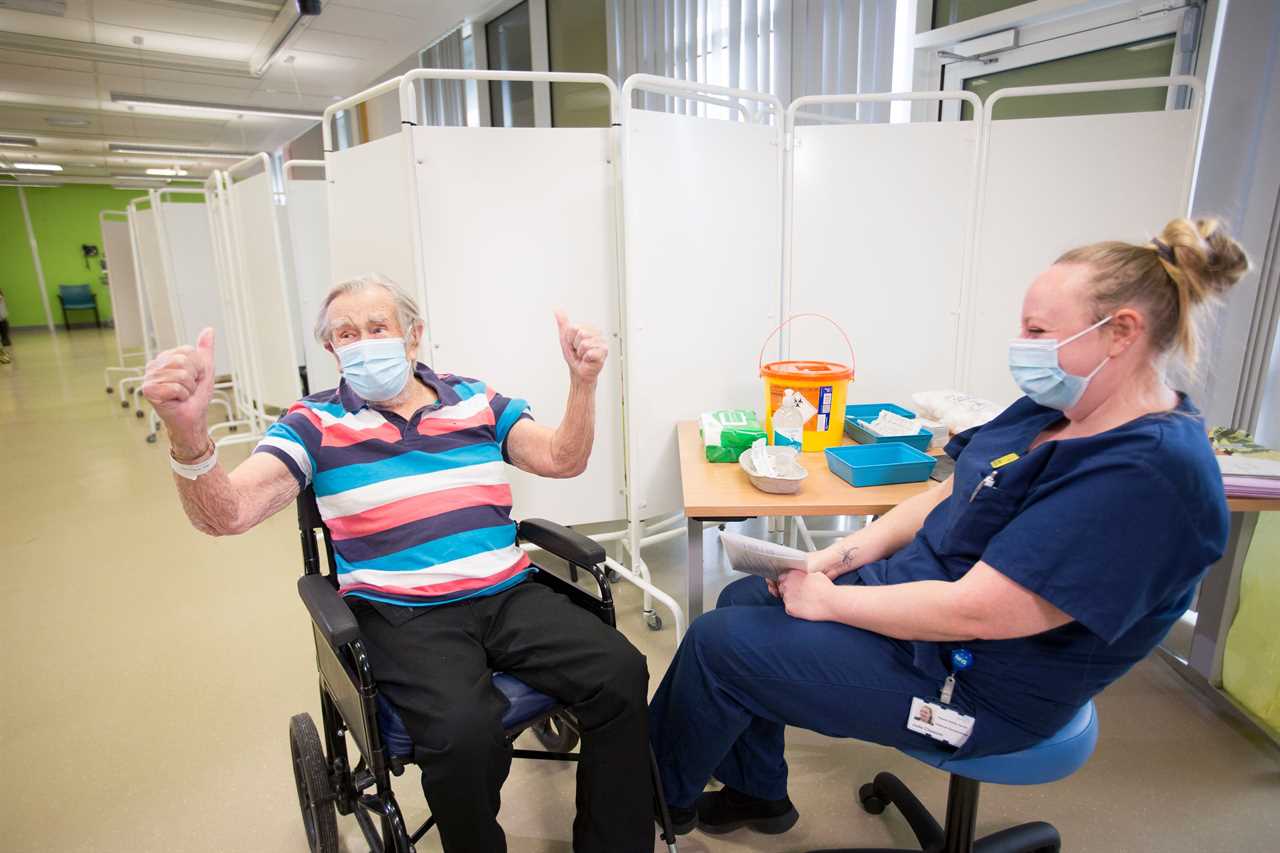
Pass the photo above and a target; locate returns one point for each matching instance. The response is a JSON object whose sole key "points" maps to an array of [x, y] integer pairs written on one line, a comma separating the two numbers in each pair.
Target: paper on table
{"points": [[889, 424], [758, 557], [1247, 466]]}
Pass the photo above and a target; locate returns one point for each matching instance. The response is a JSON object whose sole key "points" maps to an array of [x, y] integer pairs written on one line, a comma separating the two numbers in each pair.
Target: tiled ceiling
{"points": [[60, 64]]}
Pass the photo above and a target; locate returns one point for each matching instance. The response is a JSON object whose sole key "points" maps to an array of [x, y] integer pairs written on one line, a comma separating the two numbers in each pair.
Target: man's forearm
{"points": [[572, 440], [211, 502]]}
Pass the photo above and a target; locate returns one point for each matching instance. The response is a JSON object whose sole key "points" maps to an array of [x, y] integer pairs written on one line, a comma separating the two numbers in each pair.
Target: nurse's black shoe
{"points": [[726, 810]]}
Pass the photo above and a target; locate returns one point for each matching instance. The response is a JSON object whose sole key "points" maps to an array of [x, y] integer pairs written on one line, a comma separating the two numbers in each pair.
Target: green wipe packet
{"points": [[728, 432]]}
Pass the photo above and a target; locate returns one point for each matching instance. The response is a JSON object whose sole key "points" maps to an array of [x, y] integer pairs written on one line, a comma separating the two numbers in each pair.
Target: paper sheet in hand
{"points": [[757, 557]]}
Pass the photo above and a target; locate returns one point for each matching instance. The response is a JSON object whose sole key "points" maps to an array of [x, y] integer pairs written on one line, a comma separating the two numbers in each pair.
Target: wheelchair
{"points": [[350, 704]]}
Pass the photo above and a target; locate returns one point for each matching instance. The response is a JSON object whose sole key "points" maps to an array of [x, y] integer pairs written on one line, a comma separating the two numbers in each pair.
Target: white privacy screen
{"points": [[126, 313], [269, 319], [881, 224], [1055, 183], [307, 211], [154, 280], [516, 223], [193, 283], [703, 286], [369, 228]]}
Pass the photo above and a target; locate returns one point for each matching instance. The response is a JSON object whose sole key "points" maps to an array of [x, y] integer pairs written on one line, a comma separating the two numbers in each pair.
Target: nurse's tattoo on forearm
{"points": [[847, 557]]}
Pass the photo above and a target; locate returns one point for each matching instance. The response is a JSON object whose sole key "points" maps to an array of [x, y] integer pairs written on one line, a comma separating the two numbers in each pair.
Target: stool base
{"points": [[961, 820]]}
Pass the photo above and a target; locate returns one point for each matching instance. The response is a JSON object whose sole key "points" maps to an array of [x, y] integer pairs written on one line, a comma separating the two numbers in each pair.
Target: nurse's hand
{"points": [[806, 595]]}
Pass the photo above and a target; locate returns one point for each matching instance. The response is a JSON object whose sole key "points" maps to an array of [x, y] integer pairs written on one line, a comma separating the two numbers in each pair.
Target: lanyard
{"points": [[961, 659]]}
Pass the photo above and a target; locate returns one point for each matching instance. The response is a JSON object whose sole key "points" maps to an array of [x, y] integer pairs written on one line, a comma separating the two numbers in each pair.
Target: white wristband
{"points": [[191, 472]]}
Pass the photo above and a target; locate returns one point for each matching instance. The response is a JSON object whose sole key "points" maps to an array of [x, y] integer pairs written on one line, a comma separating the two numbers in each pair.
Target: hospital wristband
{"points": [[191, 471]]}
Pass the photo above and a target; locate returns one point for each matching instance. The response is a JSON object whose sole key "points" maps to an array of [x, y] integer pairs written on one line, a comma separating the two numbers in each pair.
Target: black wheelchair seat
{"points": [[524, 705]]}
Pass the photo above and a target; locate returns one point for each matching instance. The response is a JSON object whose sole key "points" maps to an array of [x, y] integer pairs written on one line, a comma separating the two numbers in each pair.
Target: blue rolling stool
{"points": [[1050, 760]]}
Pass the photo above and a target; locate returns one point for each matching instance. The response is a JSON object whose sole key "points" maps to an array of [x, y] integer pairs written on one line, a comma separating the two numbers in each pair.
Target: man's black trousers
{"points": [[435, 665]]}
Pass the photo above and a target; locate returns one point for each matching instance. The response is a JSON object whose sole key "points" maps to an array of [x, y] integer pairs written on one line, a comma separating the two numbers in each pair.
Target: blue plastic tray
{"points": [[869, 412], [879, 464]]}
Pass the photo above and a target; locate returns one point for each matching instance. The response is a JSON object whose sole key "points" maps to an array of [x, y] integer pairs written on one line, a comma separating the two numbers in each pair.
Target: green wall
{"points": [[63, 218]]}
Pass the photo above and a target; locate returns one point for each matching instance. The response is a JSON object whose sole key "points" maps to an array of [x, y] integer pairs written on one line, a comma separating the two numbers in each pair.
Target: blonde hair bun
{"points": [[1206, 259]]}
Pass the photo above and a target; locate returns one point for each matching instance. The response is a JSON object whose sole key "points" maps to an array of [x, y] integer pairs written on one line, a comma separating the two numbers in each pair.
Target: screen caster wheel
{"points": [[109, 389], [139, 414], [653, 621], [151, 439], [124, 404]]}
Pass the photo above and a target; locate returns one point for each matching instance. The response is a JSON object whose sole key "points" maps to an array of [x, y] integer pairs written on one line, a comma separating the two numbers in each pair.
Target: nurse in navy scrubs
{"points": [[1070, 538]]}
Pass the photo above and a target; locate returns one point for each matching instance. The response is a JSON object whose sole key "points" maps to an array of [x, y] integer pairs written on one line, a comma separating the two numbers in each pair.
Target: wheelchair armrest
{"points": [[561, 541], [328, 611]]}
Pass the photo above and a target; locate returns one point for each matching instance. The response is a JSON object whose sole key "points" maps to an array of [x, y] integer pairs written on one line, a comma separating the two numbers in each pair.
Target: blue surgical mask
{"points": [[1035, 367], [376, 368]]}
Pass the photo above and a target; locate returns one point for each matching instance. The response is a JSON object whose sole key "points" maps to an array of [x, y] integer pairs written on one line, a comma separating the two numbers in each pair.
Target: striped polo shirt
{"points": [[419, 510]]}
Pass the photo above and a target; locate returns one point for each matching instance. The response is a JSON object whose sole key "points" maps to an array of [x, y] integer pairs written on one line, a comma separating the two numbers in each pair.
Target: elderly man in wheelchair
{"points": [[442, 641]]}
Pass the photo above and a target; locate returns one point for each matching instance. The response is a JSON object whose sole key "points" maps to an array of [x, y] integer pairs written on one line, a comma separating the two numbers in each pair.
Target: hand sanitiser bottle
{"points": [[788, 422]]}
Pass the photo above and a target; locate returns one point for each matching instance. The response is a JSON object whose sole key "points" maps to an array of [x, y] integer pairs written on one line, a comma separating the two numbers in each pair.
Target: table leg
{"points": [[1219, 599], [695, 569]]}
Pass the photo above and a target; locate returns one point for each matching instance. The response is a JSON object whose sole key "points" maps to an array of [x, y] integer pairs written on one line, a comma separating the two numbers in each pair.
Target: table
{"points": [[720, 491]]}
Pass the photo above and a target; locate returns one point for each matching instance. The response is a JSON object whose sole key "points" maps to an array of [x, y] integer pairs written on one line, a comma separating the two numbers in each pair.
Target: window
{"points": [[508, 40], [1121, 41]]}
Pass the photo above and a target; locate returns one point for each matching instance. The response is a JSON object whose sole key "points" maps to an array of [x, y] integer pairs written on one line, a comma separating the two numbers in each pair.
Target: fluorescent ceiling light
{"points": [[38, 167], [203, 106], [17, 142], [164, 151], [67, 121], [4, 184], [167, 173], [131, 187]]}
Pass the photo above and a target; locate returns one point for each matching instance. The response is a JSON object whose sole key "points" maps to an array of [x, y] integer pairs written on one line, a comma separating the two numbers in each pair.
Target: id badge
{"points": [[939, 722]]}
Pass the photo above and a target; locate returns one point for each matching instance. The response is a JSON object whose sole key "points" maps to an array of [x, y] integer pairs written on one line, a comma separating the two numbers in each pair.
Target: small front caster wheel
{"points": [[233, 429], [151, 439], [109, 389], [872, 803], [653, 620], [555, 734], [124, 404], [611, 575], [139, 414]]}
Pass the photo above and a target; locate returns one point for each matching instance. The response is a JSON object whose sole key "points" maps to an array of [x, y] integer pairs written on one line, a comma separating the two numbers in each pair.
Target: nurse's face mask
{"points": [[376, 368], [1035, 367]]}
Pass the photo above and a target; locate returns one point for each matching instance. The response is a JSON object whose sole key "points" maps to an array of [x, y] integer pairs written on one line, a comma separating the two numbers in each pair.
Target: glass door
{"points": [[1155, 45]]}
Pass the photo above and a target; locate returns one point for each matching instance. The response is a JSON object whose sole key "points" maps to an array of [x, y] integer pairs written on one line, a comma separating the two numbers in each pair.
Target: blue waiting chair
{"points": [[350, 703], [78, 297], [1055, 758]]}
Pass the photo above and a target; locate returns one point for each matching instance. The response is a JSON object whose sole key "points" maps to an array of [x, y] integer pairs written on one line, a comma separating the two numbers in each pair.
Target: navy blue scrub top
{"points": [[1115, 530]]}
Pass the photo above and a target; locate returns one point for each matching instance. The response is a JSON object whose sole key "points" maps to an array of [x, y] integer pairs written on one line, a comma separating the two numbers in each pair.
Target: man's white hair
{"points": [[406, 308]]}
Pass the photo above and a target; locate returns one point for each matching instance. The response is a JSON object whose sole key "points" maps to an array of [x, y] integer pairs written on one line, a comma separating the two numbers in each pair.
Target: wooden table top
{"points": [[721, 489]]}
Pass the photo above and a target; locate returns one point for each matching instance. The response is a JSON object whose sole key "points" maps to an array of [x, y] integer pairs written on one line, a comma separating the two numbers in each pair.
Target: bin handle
{"points": [[784, 323]]}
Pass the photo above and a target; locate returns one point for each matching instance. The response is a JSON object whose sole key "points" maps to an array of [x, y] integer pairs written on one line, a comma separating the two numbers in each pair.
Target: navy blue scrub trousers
{"points": [[746, 670]]}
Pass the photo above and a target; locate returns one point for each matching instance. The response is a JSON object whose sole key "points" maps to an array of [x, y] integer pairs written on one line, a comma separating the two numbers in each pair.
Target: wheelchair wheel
{"points": [[311, 774], [555, 734]]}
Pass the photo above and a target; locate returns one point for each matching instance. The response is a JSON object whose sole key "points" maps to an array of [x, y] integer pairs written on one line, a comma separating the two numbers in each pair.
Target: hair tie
{"points": [[1164, 251]]}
